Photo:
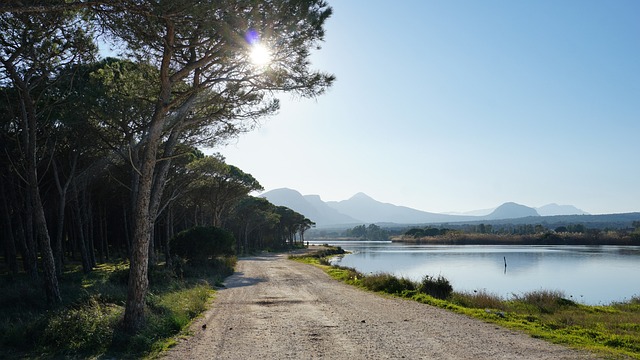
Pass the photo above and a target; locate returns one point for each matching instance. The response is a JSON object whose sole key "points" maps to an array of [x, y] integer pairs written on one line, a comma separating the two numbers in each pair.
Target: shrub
{"points": [[546, 301], [199, 244], [387, 283], [439, 287], [478, 300], [86, 329]]}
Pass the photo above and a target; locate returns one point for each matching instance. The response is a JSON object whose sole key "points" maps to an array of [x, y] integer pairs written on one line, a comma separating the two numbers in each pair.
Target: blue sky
{"points": [[462, 105]]}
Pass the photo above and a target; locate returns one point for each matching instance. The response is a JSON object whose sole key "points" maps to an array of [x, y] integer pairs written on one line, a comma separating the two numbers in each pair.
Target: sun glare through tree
{"points": [[259, 54]]}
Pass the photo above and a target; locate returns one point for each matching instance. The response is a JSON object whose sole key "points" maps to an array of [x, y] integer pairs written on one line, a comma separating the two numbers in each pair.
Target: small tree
{"points": [[200, 244]]}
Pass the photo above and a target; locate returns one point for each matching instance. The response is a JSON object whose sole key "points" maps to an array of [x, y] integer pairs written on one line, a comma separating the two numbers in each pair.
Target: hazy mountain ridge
{"points": [[511, 210], [552, 209], [310, 206], [361, 208]]}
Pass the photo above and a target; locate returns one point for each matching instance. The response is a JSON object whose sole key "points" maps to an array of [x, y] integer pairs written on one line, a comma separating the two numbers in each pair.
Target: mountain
{"points": [[511, 210], [480, 212], [546, 210], [310, 206], [555, 209], [361, 208], [369, 210]]}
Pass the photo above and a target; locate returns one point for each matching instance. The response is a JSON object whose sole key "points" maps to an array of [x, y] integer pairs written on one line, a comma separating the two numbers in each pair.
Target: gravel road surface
{"points": [[275, 308]]}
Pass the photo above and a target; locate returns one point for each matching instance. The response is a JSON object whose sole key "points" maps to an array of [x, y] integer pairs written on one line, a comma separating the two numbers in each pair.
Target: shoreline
{"points": [[535, 239]]}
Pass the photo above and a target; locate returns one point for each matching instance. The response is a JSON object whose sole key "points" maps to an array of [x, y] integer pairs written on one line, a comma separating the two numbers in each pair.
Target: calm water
{"points": [[587, 274]]}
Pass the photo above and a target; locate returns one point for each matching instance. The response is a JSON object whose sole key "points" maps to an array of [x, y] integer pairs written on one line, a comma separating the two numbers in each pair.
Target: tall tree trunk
{"points": [[139, 265], [22, 244], [167, 237], [127, 233], [31, 246], [62, 192], [139, 262], [40, 229], [10, 245], [51, 287], [159, 181], [89, 229], [81, 231], [36, 210], [101, 234], [152, 244]]}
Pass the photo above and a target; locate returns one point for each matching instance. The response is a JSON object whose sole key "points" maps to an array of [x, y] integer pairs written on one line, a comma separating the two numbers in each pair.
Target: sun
{"points": [[260, 55]]}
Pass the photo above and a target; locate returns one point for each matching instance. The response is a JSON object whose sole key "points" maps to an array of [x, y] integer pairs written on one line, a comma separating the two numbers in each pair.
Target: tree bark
{"points": [[10, 245], [62, 192], [167, 237], [37, 223], [139, 266], [81, 226]]}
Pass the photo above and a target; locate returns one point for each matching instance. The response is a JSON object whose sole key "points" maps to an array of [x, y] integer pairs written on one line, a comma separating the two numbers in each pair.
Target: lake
{"points": [[586, 274]]}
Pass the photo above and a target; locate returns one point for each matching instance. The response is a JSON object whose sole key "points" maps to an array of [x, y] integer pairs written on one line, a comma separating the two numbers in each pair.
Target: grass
{"points": [[611, 331], [89, 322]]}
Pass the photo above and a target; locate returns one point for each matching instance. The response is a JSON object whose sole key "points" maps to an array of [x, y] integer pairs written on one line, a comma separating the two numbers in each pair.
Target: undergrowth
{"points": [[89, 323], [611, 331]]}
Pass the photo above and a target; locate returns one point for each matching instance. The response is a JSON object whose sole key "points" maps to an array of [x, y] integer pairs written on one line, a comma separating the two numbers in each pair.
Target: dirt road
{"points": [[275, 308]]}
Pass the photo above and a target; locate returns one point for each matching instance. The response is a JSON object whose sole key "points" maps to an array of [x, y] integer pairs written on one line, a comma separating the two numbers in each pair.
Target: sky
{"points": [[453, 106]]}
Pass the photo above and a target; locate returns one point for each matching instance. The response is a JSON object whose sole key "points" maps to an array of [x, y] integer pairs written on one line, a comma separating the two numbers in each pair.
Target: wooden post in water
{"points": [[505, 264]]}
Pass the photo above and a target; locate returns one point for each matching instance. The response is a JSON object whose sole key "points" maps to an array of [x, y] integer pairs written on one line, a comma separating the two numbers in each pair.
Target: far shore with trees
{"points": [[503, 233], [527, 234]]}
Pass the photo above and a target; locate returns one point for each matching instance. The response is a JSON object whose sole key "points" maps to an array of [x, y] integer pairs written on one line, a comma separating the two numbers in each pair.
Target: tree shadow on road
{"points": [[238, 280]]}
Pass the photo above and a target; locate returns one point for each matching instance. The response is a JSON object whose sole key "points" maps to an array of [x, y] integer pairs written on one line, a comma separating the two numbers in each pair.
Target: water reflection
{"points": [[589, 274]]}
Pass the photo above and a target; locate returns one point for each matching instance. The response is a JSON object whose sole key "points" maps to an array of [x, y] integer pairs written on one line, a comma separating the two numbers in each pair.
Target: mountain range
{"points": [[361, 208]]}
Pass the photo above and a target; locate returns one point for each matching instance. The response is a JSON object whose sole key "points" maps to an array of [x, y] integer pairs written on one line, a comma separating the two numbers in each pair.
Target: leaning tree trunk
{"points": [[139, 260], [40, 229]]}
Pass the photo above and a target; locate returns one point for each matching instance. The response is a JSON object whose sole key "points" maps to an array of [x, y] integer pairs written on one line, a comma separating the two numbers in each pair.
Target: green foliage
{"points": [[88, 328], [89, 325], [428, 231], [438, 287], [387, 283], [478, 300], [372, 232], [200, 244], [545, 301]]}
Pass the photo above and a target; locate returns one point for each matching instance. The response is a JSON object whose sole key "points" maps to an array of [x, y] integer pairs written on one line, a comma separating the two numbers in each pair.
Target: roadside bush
{"points": [[199, 244], [478, 300], [387, 283], [439, 288], [545, 301], [86, 329]]}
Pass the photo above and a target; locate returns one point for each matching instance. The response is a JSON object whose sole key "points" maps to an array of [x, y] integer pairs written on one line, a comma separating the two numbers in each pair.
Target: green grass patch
{"points": [[611, 331], [89, 322]]}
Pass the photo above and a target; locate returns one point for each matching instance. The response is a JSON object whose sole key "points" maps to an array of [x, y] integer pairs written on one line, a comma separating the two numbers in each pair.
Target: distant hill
{"points": [[555, 209], [361, 208], [369, 210], [546, 210], [310, 206], [511, 210]]}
